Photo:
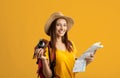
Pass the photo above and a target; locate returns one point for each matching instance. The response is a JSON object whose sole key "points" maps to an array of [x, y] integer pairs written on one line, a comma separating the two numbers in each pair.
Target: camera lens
{"points": [[41, 44]]}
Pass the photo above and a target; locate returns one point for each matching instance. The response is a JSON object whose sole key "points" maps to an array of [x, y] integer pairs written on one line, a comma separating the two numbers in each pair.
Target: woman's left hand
{"points": [[89, 59]]}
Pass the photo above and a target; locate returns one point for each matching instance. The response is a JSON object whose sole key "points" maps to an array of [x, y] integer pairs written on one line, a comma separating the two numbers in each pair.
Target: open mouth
{"points": [[61, 32]]}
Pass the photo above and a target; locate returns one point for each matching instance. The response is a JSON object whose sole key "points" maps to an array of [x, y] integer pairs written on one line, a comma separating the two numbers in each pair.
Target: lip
{"points": [[61, 31]]}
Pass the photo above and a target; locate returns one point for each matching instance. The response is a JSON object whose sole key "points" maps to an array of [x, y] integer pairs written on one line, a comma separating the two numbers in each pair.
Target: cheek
{"points": [[66, 28], [57, 28]]}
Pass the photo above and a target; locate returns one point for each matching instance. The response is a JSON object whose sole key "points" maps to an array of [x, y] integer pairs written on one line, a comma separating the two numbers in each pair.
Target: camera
{"points": [[41, 44]]}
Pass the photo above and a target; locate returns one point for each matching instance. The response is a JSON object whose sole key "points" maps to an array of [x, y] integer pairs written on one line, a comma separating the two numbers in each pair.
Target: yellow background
{"points": [[22, 25]]}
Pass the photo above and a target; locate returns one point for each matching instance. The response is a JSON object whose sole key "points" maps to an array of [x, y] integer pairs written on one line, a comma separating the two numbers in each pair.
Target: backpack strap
{"points": [[52, 59]]}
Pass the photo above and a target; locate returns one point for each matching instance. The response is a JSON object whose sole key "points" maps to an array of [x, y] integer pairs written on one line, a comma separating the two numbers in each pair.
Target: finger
{"points": [[42, 51], [35, 53], [37, 50], [91, 55], [89, 58], [39, 54]]}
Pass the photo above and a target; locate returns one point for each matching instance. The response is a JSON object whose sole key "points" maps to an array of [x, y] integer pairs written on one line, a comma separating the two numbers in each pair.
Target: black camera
{"points": [[41, 44]]}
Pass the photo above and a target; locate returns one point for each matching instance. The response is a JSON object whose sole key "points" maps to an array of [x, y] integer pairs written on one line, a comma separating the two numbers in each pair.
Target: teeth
{"points": [[61, 31]]}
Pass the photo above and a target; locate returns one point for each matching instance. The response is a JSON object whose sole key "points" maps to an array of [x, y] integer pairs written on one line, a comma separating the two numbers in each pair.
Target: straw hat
{"points": [[55, 16]]}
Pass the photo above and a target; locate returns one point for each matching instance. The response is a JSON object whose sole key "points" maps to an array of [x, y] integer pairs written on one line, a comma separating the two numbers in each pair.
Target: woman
{"points": [[57, 28]]}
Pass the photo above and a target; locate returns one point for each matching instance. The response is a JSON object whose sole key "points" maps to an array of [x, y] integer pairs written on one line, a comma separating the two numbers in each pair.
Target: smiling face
{"points": [[61, 27]]}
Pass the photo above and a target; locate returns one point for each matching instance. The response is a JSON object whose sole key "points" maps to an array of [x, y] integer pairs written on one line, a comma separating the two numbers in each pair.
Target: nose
{"points": [[62, 27]]}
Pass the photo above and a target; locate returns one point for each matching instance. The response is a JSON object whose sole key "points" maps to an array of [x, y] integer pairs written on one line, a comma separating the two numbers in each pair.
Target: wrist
{"points": [[43, 59]]}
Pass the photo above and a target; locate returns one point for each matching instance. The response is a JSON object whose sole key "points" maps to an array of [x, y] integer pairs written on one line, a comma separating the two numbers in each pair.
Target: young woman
{"points": [[57, 28]]}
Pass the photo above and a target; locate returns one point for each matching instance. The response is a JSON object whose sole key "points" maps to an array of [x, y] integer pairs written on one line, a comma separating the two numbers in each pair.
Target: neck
{"points": [[59, 40]]}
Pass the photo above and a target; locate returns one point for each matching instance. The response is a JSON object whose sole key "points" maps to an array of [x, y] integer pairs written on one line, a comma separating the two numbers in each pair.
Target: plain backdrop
{"points": [[22, 25]]}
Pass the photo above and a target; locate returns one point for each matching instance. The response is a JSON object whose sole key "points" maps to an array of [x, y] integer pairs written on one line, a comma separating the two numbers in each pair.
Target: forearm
{"points": [[46, 69]]}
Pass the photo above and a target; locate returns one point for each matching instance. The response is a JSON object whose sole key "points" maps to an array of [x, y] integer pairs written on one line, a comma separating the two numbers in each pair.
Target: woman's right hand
{"points": [[40, 53]]}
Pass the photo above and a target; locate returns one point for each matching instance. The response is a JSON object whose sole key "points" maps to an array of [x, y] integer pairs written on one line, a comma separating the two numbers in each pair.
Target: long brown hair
{"points": [[53, 37]]}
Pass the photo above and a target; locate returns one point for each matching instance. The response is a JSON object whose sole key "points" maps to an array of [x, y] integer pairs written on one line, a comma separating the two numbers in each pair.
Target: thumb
{"points": [[42, 52]]}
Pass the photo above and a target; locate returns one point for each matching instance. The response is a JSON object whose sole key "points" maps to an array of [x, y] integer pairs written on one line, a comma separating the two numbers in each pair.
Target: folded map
{"points": [[80, 63]]}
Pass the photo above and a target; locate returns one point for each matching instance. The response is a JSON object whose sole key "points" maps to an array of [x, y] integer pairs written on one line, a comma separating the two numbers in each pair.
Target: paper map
{"points": [[80, 63]]}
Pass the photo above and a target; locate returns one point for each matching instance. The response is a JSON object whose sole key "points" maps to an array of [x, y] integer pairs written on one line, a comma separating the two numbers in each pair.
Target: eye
{"points": [[57, 24], [65, 25]]}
